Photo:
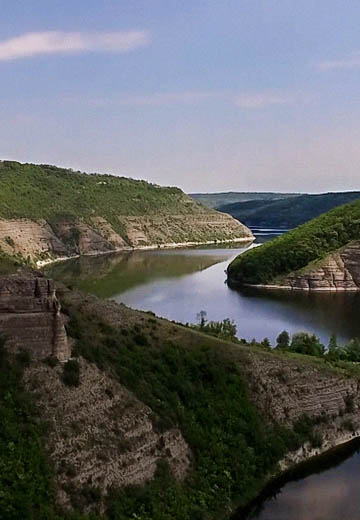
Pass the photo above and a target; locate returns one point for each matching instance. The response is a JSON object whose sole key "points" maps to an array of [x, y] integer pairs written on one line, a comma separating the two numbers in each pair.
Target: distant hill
{"points": [[214, 200], [48, 212], [304, 247], [286, 213]]}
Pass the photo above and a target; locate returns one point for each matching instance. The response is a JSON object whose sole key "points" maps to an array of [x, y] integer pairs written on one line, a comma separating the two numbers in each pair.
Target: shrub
{"points": [[71, 373]]}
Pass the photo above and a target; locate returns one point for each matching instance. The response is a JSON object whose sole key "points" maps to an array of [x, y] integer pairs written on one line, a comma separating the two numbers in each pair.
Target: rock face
{"points": [[285, 390], [100, 434], [339, 271], [40, 240], [30, 317]]}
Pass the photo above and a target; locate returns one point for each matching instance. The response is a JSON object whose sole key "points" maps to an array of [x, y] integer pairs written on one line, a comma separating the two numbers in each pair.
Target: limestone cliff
{"points": [[288, 389], [38, 240], [30, 317], [339, 271], [99, 434]]}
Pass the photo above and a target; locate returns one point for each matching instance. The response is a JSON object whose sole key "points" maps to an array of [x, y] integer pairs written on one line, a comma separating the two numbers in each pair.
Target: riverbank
{"points": [[316, 464], [276, 287], [170, 245]]}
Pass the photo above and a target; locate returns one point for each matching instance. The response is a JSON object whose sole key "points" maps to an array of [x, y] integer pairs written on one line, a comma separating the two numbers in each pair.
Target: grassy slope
{"points": [[40, 191], [287, 213], [33, 191], [215, 200], [297, 248]]}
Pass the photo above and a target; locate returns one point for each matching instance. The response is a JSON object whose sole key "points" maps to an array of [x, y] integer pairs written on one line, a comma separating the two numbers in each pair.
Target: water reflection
{"points": [[324, 489], [177, 284]]}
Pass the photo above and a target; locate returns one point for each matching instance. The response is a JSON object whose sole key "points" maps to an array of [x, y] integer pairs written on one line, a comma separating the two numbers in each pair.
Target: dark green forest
{"points": [[287, 213]]}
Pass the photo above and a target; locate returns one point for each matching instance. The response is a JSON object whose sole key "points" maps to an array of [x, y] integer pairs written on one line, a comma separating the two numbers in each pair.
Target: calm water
{"points": [[325, 489], [177, 284]]}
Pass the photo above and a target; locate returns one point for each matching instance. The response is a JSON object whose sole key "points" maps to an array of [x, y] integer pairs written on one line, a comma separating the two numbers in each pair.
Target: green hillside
{"points": [[215, 200], [289, 212], [42, 191], [297, 248]]}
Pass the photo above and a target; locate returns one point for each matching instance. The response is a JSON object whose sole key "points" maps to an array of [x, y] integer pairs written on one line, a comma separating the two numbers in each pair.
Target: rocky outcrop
{"points": [[30, 316], [100, 434], [339, 271], [64, 237], [286, 390]]}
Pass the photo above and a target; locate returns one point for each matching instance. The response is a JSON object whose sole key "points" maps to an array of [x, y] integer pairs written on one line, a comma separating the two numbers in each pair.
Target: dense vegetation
{"points": [[297, 248], [215, 200], [41, 191], [310, 345], [199, 389], [286, 213], [7, 265], [26, 490]]}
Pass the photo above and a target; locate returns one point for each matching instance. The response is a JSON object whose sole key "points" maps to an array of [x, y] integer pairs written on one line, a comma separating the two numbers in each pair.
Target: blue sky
{"points": [[208, 95]]}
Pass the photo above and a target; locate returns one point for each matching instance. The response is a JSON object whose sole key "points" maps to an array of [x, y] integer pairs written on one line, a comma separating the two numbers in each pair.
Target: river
{"points": [[177, 284]]}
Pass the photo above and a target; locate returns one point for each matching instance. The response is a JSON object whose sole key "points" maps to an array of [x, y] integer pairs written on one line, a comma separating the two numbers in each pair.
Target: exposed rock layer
{"points": [[30, 317], [99, 433], [285, 390], [40, 240], [339, 271]]}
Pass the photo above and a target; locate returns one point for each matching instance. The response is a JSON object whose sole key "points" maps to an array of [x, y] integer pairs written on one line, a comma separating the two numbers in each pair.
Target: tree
{"points": [[334, 351], [283, 340], [352, 350], [266, 344], [201, 317], [304, 343]]}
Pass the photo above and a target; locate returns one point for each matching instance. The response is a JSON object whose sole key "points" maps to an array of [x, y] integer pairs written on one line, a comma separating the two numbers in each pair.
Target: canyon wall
{"points": [[286, 390], [100, 435], [40, 240], [30, 316], [339, 271]]}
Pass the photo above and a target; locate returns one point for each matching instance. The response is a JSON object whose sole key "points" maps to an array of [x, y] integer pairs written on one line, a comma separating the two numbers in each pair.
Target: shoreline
{"points": [[170, 245], [275, 287], [289, 473]]}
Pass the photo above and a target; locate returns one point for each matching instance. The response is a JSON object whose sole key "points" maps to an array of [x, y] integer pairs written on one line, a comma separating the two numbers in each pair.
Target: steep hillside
{"points": [[155, 421], [216, 200], [274, 261], [286, 213], [48, 212]]}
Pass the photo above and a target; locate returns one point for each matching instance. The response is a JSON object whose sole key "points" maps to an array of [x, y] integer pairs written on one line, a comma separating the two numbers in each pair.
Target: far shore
{"points": [[170, 245]]}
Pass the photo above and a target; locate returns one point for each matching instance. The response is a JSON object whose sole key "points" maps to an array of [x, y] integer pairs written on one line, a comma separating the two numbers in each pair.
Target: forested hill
{"points": [[298, 248], [49, 211], [215, 200], [288, 212]]}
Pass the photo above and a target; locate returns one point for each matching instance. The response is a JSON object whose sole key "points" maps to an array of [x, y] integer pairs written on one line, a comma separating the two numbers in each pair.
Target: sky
{"points": [[207, 95]]}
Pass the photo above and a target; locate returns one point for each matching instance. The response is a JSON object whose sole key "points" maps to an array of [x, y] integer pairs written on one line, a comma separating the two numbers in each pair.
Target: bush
{"points": [[71, 373]]}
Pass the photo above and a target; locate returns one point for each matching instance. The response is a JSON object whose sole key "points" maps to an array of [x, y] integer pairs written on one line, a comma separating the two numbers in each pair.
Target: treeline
{"points": [[310, 344], [297, 248]]}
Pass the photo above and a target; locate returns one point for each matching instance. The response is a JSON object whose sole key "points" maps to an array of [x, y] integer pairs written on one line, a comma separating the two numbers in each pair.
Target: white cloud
{"points": [[59, 42], [155, 99], [350, 62], [261, 100]]}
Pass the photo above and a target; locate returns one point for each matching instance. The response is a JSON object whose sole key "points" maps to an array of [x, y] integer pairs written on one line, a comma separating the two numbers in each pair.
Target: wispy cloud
{"points": [[262, 100], [59, 42], [247, 100], [155, 99], [349, 62]]}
